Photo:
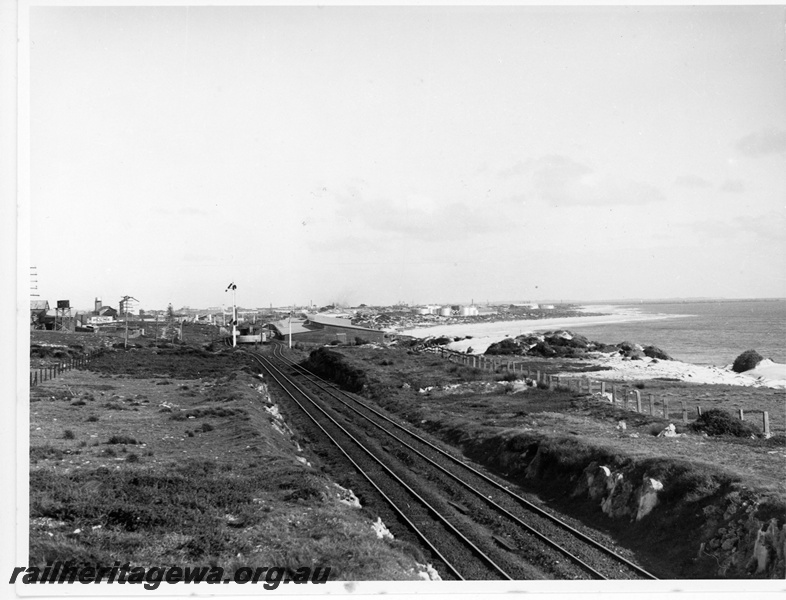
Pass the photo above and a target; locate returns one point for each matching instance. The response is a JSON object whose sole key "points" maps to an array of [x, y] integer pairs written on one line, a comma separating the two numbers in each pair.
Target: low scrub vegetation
{"points": [[718, 422], [746, 361]]}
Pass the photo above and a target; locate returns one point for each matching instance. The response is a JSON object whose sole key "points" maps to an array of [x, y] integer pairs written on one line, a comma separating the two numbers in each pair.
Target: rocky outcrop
{"points": [[618, 496], [737, 534], [739, 541], [655, 352]]}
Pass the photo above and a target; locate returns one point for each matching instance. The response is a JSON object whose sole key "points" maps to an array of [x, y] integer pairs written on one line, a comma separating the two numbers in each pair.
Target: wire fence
{"points": [[41, 374], [625, 397]]}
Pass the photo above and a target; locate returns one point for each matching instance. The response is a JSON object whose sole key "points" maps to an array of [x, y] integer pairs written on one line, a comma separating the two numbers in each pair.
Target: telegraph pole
{"points": [[233, 287]]}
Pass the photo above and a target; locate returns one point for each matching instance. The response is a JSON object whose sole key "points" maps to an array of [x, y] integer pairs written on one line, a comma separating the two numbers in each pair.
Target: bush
{"points": [[207, 427], [68, 435], [121, 439], [746, 361], [718, 422]]}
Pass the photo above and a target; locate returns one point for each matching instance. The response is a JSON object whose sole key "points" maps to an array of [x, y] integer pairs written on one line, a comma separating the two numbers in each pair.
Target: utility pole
{"points": [[233, 287]]}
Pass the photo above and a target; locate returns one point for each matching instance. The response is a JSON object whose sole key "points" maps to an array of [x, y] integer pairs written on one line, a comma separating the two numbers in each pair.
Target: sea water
{"points": [[712, 333]]}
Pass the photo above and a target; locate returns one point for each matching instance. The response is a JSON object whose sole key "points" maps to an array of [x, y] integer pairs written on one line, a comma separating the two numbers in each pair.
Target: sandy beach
{"points": [[485, 334], [767, 374]]}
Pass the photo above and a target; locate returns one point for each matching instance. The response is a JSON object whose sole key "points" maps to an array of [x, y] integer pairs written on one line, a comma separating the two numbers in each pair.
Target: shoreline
{"points": [[485, 334], [767, 374]]}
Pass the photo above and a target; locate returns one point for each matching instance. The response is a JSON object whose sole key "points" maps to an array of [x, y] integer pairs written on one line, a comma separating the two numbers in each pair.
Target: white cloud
{"points": [[763, 143], [561, 181]]}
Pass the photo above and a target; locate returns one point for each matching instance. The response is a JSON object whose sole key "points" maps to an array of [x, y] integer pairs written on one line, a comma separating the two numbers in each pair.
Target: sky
{"points": [[405, 154]]}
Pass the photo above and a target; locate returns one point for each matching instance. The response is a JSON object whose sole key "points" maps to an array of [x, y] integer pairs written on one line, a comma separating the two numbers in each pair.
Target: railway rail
{"points": [[474, 526]]}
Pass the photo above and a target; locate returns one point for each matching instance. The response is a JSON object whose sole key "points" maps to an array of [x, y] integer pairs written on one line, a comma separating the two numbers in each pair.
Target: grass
{"points": [[181, 495]]}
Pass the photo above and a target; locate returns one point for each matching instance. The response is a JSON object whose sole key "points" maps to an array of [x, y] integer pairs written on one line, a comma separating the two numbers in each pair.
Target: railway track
{"points": [[473, 526]]}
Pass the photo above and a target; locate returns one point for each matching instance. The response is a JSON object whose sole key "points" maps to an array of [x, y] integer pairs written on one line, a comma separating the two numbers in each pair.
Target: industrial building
{"points": [[321, 329]]}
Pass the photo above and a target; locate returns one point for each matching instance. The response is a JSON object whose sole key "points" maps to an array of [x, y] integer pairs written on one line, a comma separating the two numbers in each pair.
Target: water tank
{"points": [[445, 311]]}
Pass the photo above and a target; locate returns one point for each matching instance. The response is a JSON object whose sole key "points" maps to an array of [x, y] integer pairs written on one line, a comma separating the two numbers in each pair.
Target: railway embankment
{"points": [[689, 505]]}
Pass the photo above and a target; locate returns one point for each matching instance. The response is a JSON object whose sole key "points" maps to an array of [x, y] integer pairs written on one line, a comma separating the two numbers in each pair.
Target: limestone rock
{"points": [[648, 496], [670, 431]]}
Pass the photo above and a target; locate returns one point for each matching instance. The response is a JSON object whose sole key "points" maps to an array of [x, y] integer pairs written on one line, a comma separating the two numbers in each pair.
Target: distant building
{"points": [[38, 310], [321, 329], [107, 311], [126, 306]]}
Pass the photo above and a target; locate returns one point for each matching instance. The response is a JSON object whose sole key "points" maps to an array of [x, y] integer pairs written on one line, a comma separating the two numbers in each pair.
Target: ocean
{"points": [[712, 333]]}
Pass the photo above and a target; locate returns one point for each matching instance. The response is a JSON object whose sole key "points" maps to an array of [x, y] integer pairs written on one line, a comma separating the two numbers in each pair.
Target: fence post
{"points": [[625, 394], [603, 387], [649, 398], [613, 394], [766, 424], [698, 411], [742, 415], [537, 376], [665, 408], [638, 400]]}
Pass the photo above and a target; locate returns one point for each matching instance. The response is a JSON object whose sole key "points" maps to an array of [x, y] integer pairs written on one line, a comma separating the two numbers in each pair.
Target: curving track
{"points": [[473, 526]]}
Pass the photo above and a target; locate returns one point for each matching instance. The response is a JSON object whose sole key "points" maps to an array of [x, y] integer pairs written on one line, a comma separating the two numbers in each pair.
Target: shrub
{"points": [[68, 435], [746, 361], [132, 458], [121, 439], [207, 427], [40, 452], [718, 422], [78, 402]]}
